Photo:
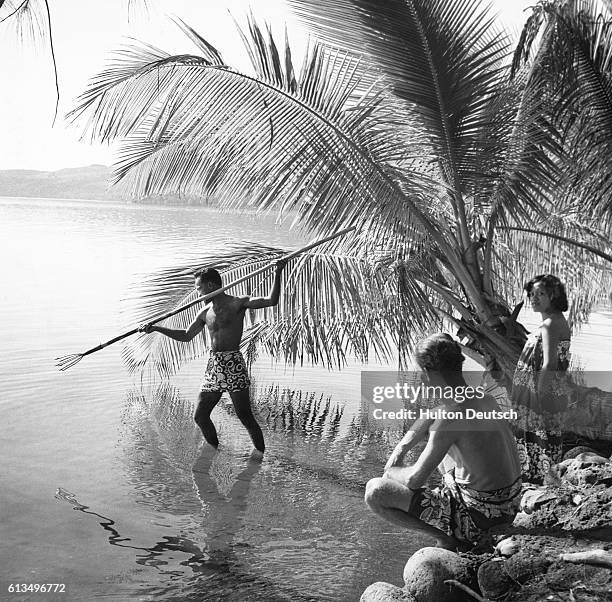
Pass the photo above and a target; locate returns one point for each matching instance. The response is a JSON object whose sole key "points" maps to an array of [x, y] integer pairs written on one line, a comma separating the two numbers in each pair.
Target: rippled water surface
{"points": [[105, 484]]}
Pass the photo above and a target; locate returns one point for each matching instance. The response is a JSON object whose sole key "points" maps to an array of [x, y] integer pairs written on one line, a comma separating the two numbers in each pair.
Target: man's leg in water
{"points": [[242, 405], [391, 500], [207, 400]]}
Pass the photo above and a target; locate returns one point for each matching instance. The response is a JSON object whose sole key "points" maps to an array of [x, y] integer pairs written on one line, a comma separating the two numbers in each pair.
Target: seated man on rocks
{"points": [[483, 487]]}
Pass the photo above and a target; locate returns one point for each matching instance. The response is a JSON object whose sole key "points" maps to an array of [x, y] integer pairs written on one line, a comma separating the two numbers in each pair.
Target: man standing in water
{"points": [[483, 487], [226, 369]]}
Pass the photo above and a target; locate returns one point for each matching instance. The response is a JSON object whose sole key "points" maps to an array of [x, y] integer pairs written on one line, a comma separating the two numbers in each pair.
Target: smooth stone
{"points": [[507, 547], [428, 568], [385, 592]]}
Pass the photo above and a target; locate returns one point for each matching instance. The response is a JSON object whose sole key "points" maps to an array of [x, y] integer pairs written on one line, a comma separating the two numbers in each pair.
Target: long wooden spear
{"points": [[67, 361]]}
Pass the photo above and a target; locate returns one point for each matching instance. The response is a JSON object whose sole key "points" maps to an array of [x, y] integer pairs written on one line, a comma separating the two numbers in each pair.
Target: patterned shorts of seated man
{"points": [[456, 509]]}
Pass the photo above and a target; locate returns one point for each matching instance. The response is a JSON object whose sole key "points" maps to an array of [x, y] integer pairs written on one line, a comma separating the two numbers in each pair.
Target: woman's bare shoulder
{"points": [[556, 327]]}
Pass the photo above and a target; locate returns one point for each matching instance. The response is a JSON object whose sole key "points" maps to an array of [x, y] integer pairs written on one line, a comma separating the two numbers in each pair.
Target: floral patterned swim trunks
{"points": [[451, 507], [225, 371]]}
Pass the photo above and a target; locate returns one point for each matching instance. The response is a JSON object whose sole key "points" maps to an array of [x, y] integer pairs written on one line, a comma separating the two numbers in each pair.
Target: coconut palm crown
{"points": [[460, 173]]}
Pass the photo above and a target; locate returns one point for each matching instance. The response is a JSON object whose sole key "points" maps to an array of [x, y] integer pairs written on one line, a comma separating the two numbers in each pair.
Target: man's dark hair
{"points": [[554, 289], [209, 275], [439, 353]]}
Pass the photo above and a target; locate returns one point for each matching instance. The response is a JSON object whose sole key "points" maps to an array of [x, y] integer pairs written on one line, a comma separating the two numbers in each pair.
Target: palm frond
{"points": [[574, 64], [266, 57], [26, 17], [333, 305], [441, 58], [209, 52], [32, 22], [586, 275], [519, 159], [138, 9], [587, 103], [182, 139]]}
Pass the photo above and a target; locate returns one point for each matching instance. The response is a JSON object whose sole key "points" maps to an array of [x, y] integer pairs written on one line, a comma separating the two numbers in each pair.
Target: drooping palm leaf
{"points": [[332, 304], [182, 139], [575, 64], [442, 58], [26, 17], [32, 22], [587, 275]]}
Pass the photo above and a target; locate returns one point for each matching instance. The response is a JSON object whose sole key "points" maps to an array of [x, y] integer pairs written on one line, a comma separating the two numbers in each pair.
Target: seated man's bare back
{"points": [[483, 471]]}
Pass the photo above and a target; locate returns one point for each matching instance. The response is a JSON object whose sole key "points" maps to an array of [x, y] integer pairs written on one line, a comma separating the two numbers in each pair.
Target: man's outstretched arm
{"points": [[272, 299], [178, 334]]}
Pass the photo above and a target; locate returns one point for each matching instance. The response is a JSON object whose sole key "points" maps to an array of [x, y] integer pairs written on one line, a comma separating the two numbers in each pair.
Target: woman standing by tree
{"points": [[535, 391]]}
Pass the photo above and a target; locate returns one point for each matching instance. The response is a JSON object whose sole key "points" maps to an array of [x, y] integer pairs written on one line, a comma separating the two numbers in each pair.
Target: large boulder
{"points": [[428, 569], [385, 592]]}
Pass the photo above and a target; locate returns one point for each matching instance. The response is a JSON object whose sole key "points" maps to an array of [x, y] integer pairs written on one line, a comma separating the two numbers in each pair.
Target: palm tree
{"points": [[462, 180]]}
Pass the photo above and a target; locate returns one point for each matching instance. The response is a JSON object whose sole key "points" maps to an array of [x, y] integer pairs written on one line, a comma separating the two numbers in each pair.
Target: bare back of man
{"points": [[482, 471]]}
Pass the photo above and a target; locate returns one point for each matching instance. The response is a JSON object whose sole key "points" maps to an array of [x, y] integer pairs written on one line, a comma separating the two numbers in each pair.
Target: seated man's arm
{"points": [[272, 298], [416, 476], [418, 431], [179, 334]]}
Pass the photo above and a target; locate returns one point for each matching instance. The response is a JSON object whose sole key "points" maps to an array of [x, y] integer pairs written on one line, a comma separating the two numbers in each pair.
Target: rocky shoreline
{"points": [[559, 547]]}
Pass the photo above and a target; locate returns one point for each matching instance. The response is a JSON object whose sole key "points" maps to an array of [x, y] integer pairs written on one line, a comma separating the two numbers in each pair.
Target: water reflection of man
{"points": [[483, 489], [223, 493], [226, 369]]}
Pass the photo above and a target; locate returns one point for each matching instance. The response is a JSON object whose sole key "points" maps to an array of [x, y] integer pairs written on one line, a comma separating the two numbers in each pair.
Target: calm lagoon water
{"points": [[105, 485]]}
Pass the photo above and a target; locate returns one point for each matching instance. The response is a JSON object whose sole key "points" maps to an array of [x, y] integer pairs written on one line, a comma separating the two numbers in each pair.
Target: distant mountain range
{"points": [[91, 182]]}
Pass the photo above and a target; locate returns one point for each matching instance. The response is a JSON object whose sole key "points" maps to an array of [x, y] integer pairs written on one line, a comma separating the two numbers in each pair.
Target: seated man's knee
{"points": [[374, 492]]}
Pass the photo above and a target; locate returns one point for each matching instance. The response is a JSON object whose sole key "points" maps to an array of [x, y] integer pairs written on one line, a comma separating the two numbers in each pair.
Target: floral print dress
{"points": [[538, 427]]}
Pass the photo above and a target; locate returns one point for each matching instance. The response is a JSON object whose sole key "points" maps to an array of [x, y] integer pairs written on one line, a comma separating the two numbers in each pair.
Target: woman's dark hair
{"points": [[554, 289], [439, 353], [209, 275]]}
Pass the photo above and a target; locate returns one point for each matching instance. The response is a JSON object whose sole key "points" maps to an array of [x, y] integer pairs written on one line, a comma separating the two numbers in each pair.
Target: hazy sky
{"points": [[84, 34]]}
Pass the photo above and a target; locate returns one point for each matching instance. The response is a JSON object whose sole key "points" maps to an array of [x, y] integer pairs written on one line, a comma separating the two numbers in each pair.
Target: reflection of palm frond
{"points": [[298, 411], [163, 418]]}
